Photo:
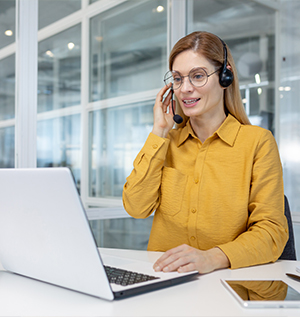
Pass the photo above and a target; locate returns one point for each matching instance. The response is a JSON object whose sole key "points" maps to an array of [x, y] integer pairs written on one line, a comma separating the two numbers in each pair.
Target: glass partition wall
{"points": [[7, 23], [100, 66], [59, 100], [128, 57], [248, 28], [127, 62], [289, 111]]}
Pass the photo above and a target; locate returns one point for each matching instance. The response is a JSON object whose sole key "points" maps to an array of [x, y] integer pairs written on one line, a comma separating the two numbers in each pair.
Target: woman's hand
{"points": [[185, 258], [163, 120]]}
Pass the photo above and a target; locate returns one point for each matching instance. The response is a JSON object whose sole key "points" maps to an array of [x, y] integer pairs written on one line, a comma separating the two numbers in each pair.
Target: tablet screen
{"points": [[249, 292]]}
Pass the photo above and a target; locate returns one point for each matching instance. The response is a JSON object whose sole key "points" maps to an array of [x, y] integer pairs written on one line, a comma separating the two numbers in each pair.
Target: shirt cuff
{"points": [[234, 254], [156, 146]]}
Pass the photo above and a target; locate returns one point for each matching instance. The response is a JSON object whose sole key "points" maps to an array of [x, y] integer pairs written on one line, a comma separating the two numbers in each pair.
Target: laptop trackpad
{"points": [[128, 264], [115, 260]]}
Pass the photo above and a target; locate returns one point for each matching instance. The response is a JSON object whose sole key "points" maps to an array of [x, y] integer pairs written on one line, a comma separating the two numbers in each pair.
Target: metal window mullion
{"points": [[26, 83], [84, 133], [277, 75], [178, 20], [247, 97]]}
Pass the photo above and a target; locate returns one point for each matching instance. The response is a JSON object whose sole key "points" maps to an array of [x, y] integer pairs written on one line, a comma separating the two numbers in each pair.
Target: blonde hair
{"points": [[211, 47]]}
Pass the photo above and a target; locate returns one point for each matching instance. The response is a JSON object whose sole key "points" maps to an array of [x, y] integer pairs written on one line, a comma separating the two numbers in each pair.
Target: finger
{"points": [[169, 257], [158, 265], [168, 98], [186, 262], [166, 102], [167, 254], [159, 96], [164, 265], [161, 102], [176, 264], [187, 268]]}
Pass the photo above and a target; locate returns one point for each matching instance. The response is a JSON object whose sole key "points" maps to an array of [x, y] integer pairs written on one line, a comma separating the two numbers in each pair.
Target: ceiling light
{"points": [[71, 45], [160, 9], [8, 33], [257, 78], [259, 91], [287, 88], [49, 53]]}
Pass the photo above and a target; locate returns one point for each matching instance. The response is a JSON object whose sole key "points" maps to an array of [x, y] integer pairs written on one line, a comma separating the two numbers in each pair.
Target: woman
{"points": [[215, 181]]}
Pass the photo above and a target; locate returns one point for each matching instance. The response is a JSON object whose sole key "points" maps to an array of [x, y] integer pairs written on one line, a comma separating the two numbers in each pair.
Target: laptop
{"points": [[45, 235]]}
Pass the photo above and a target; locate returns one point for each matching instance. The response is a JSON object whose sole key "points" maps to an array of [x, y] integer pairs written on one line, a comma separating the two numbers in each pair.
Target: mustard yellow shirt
{"points": [[226, 192]]}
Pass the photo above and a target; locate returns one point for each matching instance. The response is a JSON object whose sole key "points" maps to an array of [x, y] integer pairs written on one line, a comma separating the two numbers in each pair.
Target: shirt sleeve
{"points": [[267, 230], [141, 193]]}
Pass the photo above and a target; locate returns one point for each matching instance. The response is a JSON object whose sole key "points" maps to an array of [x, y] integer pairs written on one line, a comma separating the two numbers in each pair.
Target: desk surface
{"points": [[205, 296]]}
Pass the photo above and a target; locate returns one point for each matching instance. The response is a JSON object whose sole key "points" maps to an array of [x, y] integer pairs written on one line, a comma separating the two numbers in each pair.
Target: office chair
{"points": [[289, 252]]}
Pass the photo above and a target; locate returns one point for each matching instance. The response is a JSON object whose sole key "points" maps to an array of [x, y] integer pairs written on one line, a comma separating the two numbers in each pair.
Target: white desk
{"points": [[205, 296]]}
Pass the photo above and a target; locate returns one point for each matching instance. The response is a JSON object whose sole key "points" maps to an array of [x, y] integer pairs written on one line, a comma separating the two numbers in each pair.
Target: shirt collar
{"points": [[227, 131]]}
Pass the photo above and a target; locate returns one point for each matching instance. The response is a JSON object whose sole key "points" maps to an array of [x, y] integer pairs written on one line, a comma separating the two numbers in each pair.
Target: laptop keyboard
{"points": [[124, 278]]}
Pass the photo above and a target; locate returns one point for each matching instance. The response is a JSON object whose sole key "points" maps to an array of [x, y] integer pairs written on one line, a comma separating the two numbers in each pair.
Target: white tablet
{"points": [[263, 293]]}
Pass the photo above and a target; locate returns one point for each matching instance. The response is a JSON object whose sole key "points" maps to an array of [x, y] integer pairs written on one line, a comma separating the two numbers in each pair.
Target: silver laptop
{"points": [[45, 235]]}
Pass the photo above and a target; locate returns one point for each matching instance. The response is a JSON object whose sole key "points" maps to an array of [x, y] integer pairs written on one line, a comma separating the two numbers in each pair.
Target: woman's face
{"points": [[206, 101]]}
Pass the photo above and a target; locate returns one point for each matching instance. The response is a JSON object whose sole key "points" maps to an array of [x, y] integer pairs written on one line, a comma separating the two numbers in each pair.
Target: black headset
{"points": [[226, 75]]}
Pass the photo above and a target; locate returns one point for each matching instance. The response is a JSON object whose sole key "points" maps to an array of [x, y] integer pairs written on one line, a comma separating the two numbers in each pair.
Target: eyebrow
{"points": [[203, 67]]}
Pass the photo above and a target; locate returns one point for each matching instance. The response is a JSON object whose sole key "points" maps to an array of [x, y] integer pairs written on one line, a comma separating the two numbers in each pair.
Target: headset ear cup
{"points": [[226, 77]]}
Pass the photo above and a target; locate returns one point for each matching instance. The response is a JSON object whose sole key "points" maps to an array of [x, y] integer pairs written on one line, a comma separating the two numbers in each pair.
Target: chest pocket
{"points": [[173, 187]]}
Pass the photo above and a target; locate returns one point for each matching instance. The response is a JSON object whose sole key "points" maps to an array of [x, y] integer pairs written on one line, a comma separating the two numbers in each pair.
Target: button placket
{"points": [[194, 210]]}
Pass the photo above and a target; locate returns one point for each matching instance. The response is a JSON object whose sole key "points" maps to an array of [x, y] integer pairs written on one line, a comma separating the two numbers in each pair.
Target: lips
{"points": [[190, 102]]}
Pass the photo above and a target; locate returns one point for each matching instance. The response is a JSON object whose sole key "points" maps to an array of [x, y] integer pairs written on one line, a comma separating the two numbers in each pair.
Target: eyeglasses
{"points": [[198, 77]]}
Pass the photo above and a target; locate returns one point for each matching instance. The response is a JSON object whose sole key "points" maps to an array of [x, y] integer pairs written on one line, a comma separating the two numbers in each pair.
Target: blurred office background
{"points": [[100, 64]]}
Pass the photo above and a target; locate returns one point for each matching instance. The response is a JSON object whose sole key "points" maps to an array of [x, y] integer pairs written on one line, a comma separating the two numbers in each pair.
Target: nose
{"points": [[186, 85]]}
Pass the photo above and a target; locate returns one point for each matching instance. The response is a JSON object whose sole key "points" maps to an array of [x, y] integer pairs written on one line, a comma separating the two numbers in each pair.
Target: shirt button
{"points": [[193, 211], [155, 146], [193, 238], [196, 181]]}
